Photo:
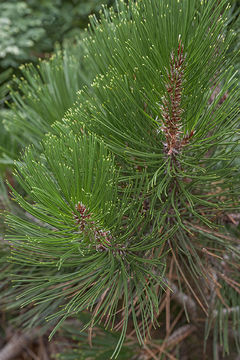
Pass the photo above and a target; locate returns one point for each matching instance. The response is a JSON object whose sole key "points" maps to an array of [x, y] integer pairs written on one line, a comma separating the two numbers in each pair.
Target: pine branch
{"points": [[110, 194]]}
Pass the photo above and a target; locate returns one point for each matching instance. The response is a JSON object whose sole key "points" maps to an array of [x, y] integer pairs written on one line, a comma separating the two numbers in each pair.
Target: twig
{"points": [[16, 344], [159, 348], [235, 216], [183, 299], [179, 335], [227, 311], [30, 354], [149, 351], [43, 351]]}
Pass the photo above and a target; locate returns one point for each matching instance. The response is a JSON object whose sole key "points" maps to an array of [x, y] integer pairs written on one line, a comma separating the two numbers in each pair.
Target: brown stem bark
{"points": [[16, 344]]}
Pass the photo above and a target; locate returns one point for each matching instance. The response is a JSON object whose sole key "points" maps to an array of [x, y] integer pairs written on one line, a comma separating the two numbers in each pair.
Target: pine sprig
{"points": [[93, 254]]}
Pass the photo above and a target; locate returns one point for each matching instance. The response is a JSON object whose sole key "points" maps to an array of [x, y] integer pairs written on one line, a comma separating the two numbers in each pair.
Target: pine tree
{"points": [[127, 198]]}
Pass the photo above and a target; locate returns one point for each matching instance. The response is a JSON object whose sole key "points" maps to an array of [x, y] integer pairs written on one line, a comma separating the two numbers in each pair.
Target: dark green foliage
{"points": [[19, 33], [30, 29], [6, 143], [132, 189]]}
